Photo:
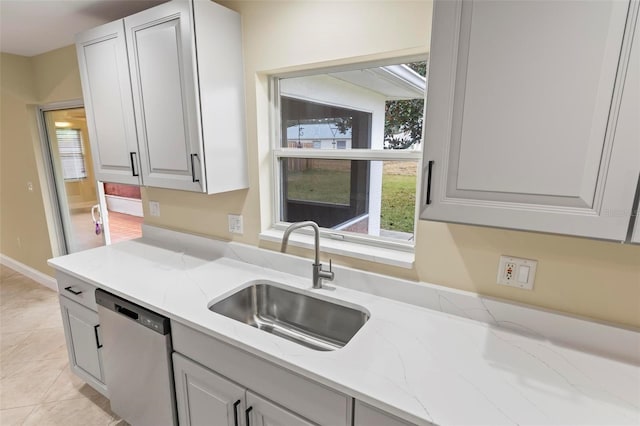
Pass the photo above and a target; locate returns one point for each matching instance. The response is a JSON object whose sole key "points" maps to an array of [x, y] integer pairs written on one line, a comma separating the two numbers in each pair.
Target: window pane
{"points": [[398, 199], [373, 108], [317, 180], [369, 108], [71, 155], [375, 198]]}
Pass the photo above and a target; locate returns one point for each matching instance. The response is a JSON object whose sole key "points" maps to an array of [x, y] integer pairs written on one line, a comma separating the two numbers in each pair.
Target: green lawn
{"points": [[398, 194], [325, 186], [398, 202]]}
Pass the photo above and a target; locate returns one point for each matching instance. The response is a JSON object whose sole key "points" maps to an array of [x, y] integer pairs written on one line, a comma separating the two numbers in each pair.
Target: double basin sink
{"points": [[309, 321]]}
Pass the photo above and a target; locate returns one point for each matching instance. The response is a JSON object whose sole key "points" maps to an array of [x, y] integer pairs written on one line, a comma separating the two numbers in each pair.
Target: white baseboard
{"points": [[124, 205], [34, 274]]}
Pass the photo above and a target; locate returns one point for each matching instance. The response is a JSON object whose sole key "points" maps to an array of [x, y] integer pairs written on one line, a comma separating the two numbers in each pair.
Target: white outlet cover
{"points": [[154, 208], [235, 223], [519, 274]]}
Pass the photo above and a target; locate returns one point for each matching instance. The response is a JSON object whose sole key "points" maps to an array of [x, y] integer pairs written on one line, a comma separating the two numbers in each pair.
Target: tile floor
{"points": [[36, 385], [121, 226], [124, 227]]}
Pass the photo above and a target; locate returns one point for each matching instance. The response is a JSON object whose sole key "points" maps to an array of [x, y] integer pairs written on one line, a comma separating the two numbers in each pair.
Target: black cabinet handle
{"points": [[247, 416], [95, 331], [235, 413], [429, 171], [193, 169], [133, 163], [70, 290]]}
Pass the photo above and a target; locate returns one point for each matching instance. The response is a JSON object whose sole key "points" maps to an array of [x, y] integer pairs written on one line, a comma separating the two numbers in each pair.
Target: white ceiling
{"points": [[31, 27]]}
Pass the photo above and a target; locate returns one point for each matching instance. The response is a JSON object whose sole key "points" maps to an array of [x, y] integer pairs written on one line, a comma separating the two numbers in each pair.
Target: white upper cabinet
{"points": [[161, 50], [531, 122], [187, 88], [104, 71]]}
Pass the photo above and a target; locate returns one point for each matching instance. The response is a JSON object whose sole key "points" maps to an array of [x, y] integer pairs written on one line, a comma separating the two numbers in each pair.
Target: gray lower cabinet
{"points": [[366, 415], [205, 398], [265, 413], [290, 396], [81, 328]]}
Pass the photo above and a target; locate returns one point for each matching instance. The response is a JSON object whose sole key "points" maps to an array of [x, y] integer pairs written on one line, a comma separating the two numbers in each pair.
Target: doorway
{"points": [[84, 214]]}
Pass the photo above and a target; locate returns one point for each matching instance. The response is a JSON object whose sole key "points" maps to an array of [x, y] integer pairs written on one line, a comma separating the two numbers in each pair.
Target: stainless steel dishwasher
{"points": [[137, 361]]}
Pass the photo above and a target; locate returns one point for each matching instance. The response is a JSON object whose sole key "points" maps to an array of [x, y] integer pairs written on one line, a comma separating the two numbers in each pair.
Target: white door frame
{"points": [[50, 191]]}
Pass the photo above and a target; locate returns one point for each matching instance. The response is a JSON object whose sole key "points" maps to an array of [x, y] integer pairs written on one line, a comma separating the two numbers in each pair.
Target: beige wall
{"points": [[26, 83], [591, 278], [596, 279], [23, 229]]}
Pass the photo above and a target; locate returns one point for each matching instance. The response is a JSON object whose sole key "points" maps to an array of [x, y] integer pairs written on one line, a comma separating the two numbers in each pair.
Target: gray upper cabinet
{"points": [[185, 85], [104, 71], [531, 118]]}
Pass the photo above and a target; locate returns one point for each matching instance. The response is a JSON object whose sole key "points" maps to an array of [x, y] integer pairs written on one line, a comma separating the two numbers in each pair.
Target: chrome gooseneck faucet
{"points": [[318, 273]]}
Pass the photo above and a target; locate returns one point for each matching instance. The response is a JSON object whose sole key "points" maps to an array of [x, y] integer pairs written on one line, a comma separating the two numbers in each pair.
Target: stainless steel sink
{"points": [[312, 322]]}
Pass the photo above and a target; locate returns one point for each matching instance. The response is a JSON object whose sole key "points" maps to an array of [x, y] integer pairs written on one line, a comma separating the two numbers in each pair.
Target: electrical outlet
{"points": [[517, 272], [235, 223], [154, 208], [30, 186], [509, 271]]}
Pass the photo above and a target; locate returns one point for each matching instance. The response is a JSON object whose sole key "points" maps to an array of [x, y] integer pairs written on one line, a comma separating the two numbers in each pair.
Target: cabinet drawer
{"points": [[77, 290], [298, 394], [366, 415]]}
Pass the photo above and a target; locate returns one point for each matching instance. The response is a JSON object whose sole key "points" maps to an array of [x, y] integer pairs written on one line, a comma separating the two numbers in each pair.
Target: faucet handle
{"points": [[327, 275]]}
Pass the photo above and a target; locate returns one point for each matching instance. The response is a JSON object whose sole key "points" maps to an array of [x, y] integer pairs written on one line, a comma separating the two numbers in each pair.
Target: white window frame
{"points": [[278, 153]]}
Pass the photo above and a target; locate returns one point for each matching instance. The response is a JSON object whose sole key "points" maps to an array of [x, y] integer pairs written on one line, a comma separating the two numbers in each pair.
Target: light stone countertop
{"points": [[421, 365]]}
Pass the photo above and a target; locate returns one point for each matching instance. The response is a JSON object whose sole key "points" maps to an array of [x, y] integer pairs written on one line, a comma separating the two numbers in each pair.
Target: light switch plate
{"points": [[154, 208], [235, 223], [517, 272]]}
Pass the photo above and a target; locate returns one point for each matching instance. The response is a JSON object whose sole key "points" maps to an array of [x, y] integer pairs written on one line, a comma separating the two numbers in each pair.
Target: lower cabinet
{"points": [[82, 332], [261, 412], [366, 415], [206, 398], [292, 398]]}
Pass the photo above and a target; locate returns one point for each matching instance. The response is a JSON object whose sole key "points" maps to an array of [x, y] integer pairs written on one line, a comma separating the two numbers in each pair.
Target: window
{"points": [[348, 151], [71, 154]]}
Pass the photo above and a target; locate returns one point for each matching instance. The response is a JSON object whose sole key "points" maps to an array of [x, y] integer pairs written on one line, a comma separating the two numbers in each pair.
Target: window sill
{"points": [[386, 256]]}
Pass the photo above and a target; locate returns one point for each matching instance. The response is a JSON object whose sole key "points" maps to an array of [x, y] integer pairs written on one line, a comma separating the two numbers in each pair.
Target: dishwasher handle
{"points": [[136, 313], [127, 312]]}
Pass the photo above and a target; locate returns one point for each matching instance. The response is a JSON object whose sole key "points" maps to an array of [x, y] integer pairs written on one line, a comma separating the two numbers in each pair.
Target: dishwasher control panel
{"points": [[137, 313]]}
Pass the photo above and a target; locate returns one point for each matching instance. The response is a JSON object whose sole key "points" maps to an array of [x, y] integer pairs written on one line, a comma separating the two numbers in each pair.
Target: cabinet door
{"points": [[81, 329], [522, 108], [161, 50], [106, 87], [265, 413], [203, 397], [629, 123], [365, 415]]}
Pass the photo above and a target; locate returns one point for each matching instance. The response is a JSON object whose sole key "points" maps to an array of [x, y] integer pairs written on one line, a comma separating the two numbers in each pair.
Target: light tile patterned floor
{"points": [[36, 385], [121, 227], [124, 227]]}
